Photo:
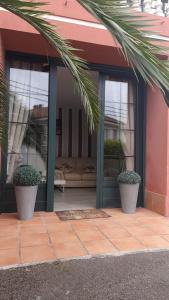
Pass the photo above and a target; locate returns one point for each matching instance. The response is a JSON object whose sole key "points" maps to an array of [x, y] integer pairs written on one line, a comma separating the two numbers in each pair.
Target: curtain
{"points": [[18, 117], [127, 128]]}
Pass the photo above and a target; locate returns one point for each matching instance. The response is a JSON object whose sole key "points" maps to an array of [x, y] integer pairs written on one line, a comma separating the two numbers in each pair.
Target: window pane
{"points": [[28, 117], [118, 127]]}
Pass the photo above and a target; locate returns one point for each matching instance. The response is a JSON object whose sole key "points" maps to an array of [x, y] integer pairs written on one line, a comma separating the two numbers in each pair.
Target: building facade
{"points": [[134, 128]]}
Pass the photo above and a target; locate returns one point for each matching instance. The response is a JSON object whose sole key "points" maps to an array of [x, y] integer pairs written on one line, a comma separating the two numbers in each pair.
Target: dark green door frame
{"points": [[140, 128], [46, 191], [139, 117], [51, 134]]}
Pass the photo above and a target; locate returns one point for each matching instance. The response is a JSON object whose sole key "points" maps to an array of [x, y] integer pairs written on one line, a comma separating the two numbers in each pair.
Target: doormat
{"points": [[81, 214]]}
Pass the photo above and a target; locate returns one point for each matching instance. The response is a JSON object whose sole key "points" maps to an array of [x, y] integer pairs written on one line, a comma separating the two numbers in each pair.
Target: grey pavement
{"points": [[142, 276]]}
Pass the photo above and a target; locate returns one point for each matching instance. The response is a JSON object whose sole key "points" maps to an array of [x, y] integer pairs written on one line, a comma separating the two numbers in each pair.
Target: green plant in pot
{"points": [[26, 180], [129, 182]]}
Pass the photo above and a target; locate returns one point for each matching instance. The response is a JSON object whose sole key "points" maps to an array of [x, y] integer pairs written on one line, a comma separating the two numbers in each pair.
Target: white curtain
{"points": [[18, 117], [127, 128]]}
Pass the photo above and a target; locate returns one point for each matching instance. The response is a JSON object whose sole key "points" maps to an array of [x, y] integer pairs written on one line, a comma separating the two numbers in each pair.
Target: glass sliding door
{"points": [[118, 135], [27, 123]]}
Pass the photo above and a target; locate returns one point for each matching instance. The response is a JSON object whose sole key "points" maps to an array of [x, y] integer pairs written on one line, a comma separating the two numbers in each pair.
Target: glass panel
{"points": [[118, 128], [28, 117]]}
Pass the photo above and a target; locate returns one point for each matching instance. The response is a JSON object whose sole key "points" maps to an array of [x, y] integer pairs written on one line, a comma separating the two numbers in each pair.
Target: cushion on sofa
{"points": [[73, 176], [89, 169], [58, 175], [89, 176]]}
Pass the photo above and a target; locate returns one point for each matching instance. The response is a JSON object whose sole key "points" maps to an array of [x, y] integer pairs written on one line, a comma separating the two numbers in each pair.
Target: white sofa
{"points": [[77, 172]]}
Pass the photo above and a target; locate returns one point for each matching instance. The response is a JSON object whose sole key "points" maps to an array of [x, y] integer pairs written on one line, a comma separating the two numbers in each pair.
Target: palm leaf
{"points": [[136, 44], [32, 14], [3, 105]]}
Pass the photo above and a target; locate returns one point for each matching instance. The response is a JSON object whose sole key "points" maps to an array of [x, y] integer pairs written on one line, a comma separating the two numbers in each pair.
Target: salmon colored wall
{"points": [[69, 31], [35, 44], [156, 142], [167, 194], [71, 9], [68, 8]]}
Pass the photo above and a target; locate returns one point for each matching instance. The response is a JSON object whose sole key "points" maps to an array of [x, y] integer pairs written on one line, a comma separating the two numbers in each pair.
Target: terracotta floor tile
{"points": [[33, 229], [55, 226], [47, 214], [164, 221], [9, 257], [89, 235], [154, 242], [52, 219], [10, 230], [158, 229], [144, 229], [8, 222], [141, 211], [104, 222], [113, 211], [69, 249], [149, 220], [125, 223], [115, 233], [139, 230], [63, 236], [37, 214], [33, 222], [81, 225], [8, 242], [9, 216], [85, 228], [36, 253], [99, 246], [127, 244], [123, 218], [123, 215], [166, 237], [34, 239]]}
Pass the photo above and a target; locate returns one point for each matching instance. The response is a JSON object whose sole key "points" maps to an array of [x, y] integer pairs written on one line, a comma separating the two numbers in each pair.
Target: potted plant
{"points": [[26, 180], [129, 182]]}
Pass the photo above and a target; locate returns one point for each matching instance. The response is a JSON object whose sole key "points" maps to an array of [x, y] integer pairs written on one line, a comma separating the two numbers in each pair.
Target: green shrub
{"points": [[26, 175], [113, 148], [129, 177]]}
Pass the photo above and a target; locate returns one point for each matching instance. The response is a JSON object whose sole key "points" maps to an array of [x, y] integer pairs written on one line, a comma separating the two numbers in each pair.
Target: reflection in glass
{"points": [[28, 117], [118, 127]]}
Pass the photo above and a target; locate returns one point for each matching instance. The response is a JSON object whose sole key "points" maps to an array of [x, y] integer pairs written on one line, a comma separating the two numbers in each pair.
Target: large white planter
{"points": [[129, 194], [25, 200]]}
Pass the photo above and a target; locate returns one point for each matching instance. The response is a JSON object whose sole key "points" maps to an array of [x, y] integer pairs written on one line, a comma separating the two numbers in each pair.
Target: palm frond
{"points": [[32, 14], [128, 30], [3, 106]]}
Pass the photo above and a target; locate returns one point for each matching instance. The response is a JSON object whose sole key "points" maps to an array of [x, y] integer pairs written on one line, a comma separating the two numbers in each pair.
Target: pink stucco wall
{"points": [[157, 153], [156, 142]]}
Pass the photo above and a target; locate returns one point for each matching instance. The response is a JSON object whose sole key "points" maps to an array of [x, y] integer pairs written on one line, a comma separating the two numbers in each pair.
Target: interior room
{"points": [[76, 149]]}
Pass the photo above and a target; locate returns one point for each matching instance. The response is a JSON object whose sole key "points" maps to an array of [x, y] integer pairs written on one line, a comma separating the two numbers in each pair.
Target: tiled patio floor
{"points": [[46, 238]]}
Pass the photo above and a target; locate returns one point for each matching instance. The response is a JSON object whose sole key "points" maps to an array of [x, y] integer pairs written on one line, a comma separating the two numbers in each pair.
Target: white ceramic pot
{"points": [[129, 194], [25, 200]]}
